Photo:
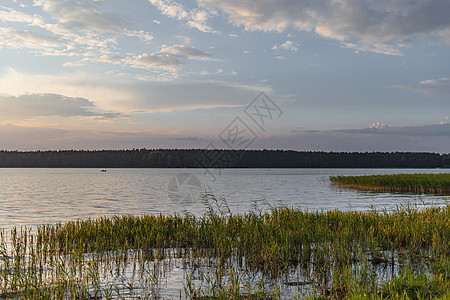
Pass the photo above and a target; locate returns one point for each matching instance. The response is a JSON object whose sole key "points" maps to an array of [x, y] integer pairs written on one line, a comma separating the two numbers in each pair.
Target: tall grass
{"points": [[329, 254], [412, 183]]}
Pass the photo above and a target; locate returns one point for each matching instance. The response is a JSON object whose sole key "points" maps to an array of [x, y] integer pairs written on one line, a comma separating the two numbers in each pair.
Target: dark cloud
{"points": [[188, 139], [110, 116], [427, 138], [436, 130], [430, 138], [49, 105]]}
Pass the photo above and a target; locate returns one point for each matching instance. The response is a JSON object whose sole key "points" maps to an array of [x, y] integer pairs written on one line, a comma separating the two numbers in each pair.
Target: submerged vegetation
{"points": [[412, 183], [282, 253]]}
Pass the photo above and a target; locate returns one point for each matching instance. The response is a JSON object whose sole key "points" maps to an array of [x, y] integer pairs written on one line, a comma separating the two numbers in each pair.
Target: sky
{"points": [[323, 75]]}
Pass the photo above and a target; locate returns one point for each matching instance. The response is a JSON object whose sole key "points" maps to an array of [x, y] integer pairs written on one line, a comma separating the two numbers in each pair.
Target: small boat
{"points": [[104, 170]]}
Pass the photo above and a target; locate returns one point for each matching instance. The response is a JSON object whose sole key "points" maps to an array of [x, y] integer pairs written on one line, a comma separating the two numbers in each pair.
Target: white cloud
{"points": [[185, 51], [377, 26], [430, 87], [71, 28], [151, 61], [55, 41], [379, 125], [81, 15], [171, 9], [20, 39], [87, 19], [10, 15], [186, 39], [437, 82], [280, 56], [287, 45], [141, 34], [195, 18], [167, 59], [375, 48]]}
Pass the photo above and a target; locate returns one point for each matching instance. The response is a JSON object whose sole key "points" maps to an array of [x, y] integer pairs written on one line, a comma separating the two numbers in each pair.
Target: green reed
{"points": [[411, 183], [328, 254]]}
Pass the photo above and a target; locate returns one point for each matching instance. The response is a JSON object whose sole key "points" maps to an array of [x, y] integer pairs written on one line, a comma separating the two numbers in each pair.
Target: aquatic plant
{"points": [[256, 255], [412, 183]]}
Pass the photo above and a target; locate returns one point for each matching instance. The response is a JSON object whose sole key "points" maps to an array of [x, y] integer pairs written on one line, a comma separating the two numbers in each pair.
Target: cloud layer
{"points": [[195, 18], [167, 65], [122, 95], [377, 26], [430, 87], [428, 138], [49, 105]]}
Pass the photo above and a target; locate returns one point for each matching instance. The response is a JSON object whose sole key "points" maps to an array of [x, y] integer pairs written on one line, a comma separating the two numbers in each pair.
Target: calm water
{"points": [[38, 196]]}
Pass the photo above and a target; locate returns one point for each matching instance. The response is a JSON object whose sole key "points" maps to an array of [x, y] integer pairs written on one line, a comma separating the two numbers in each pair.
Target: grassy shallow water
{"points": [[282, 253], [412, 183]]}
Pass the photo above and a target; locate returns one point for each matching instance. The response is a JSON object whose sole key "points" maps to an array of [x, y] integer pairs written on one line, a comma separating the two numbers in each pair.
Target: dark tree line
{"points": [[197, 158]]}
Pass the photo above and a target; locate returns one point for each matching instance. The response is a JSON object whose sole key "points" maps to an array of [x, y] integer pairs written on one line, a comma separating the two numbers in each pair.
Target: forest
{"points": [[198, 158]]}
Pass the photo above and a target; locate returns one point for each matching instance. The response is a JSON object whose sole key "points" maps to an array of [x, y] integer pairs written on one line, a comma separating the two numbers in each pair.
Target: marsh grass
{"points": [[256, 255], [410, 183]]}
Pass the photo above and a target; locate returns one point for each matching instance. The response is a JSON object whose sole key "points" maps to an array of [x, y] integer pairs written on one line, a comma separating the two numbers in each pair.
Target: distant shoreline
{"points": [[208, 159]]}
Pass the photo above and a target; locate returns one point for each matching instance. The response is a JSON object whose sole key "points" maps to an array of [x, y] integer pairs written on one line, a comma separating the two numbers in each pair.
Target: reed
{"points": [[410, 183], [257, 255]]}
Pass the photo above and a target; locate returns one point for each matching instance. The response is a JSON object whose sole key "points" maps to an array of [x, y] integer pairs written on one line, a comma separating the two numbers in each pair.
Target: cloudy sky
{"points": [[332, 75]]}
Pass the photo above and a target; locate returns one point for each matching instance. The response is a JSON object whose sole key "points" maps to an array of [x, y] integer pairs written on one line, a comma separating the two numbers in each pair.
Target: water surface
{"points": [[42, 196]]}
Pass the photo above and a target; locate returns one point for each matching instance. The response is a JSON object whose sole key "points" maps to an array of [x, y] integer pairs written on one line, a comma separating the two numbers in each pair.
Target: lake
{"points": [[43, 196]]}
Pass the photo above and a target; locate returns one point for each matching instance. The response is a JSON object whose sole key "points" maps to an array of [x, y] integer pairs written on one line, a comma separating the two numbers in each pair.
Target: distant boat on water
{"points": [[104, 170]]}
